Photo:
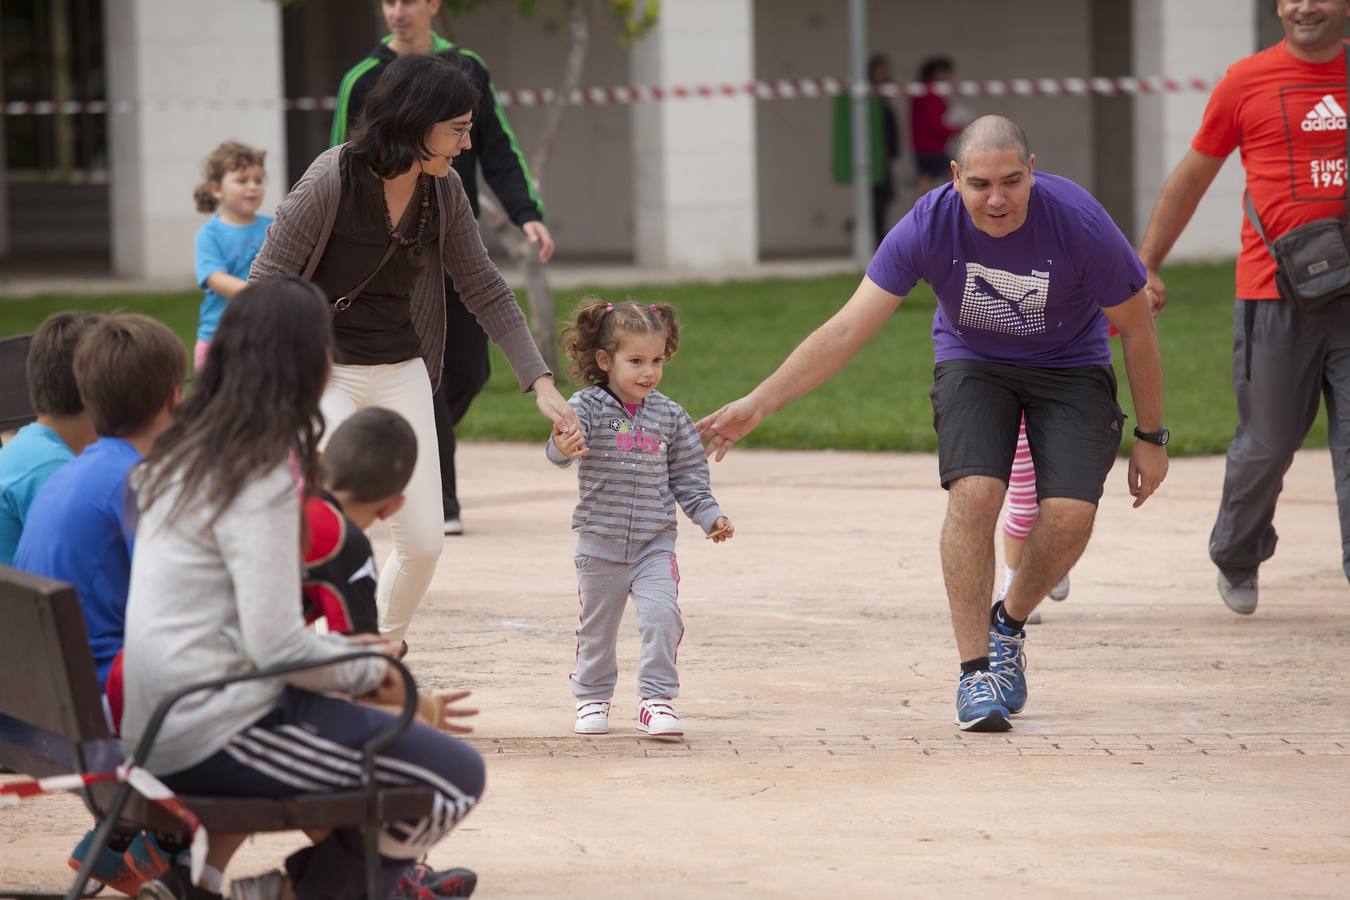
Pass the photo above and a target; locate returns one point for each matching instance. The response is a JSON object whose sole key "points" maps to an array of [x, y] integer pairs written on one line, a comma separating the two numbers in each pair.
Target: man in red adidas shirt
{"points": [[1285, 109]]}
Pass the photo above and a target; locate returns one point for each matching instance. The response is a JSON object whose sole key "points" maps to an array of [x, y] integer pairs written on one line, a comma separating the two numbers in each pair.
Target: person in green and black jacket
{"points": [[494, 146]]}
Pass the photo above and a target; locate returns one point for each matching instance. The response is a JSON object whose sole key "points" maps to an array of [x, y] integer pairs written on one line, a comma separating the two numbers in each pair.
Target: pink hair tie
{"points": [[609, 307], [652, 307]]}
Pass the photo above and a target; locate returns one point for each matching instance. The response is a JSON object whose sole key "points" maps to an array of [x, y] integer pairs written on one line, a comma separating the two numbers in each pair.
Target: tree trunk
{"points": [[579, 30], [541, 314]]}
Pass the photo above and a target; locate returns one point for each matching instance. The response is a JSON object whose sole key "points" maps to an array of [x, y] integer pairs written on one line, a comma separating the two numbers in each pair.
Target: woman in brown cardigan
{"points": [[374, 223]]}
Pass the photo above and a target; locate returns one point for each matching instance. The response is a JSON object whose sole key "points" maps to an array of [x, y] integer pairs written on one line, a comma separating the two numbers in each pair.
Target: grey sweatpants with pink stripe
{"points": [[653, 581]]}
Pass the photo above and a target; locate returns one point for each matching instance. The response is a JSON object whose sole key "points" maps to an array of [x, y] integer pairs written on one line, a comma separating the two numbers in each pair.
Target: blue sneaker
{"points": [[1008, 661], [979, 702], [123, 871]]}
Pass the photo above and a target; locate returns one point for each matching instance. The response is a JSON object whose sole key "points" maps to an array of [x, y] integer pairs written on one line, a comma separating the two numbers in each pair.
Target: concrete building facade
{"points": [[164, 57], [677, 183]]}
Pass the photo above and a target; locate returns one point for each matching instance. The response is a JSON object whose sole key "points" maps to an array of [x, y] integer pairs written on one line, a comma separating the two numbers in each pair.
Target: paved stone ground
{"points": [[1170, 748]]}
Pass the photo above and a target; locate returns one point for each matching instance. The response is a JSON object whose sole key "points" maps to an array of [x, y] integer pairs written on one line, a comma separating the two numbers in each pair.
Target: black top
{"points": [[340, 575], [377, 328]]}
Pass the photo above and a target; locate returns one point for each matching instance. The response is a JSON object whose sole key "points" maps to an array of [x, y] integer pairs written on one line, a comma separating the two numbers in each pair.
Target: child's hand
{"points": [[722, 530], [438, 709], [570, 441]]}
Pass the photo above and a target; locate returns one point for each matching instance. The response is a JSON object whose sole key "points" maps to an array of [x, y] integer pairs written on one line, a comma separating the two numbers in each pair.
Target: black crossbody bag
{"points": [[1312, 261], [346, 300]]}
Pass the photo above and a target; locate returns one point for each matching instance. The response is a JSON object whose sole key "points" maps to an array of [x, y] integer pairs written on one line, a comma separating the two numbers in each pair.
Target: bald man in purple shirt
{"points": [[1028, 270]]}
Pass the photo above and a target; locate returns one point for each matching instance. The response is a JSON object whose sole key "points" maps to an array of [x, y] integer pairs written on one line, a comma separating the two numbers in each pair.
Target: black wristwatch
{"points": [[1159, 437]]}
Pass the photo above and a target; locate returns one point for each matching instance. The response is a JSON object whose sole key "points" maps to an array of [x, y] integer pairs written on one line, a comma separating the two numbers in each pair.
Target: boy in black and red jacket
{"points": [[366, 466]]}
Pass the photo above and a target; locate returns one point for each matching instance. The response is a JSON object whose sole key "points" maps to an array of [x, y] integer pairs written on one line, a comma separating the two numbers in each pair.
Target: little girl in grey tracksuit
{"points": [[640, 455]]}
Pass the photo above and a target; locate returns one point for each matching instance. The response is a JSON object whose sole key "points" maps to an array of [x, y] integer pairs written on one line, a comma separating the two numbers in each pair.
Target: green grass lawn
{"points": [[734, 334]]}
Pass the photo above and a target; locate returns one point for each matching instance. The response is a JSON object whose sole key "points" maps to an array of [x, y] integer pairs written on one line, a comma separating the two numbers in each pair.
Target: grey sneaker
{"points": [[453, 525], [1239, 593], [1061, 589]]}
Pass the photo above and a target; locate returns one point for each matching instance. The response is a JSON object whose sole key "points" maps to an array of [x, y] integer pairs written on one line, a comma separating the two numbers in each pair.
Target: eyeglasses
{"points": [[462, 133]]}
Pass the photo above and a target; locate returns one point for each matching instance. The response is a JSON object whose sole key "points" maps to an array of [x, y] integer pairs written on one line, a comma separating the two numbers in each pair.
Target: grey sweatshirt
{"points": [[214, 599], [639, 467]]}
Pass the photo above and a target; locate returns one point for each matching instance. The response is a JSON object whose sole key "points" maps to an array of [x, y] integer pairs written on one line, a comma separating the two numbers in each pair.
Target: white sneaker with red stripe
{"points": [[593, 717], [657, 717]]}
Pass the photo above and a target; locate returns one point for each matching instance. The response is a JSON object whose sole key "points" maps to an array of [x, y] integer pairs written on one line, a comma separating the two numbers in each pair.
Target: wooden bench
{"points": [[52, 723]]}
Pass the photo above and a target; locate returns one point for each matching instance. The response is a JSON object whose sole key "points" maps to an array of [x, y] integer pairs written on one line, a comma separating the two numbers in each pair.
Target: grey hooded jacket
{"points": [[639, 467]]}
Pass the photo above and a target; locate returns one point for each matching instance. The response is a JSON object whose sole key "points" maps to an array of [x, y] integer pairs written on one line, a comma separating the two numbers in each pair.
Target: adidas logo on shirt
{"points": [[1327, 115]]}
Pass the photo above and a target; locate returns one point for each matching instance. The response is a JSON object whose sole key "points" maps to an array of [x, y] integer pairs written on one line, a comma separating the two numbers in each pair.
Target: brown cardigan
{"points": [[304, 221]]}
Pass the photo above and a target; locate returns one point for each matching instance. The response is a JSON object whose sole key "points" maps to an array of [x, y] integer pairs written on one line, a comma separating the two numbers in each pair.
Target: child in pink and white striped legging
{"points": [[1022, 512]]}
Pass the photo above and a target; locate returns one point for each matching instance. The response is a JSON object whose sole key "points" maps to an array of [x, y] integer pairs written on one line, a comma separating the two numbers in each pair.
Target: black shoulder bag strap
{"points": [[346, 299]]}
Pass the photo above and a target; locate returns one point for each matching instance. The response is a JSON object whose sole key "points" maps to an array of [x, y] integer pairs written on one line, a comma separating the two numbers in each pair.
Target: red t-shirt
{"points": [[1288, 116]]}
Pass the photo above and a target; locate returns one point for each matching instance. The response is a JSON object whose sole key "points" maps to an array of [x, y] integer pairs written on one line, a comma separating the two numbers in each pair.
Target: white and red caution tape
{"points": [[797, 88], [145, 784], [781, 89]]}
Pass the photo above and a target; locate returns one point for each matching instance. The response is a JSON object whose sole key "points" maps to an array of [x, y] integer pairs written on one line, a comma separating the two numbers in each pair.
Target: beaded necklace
{"points": [[416, 256]]}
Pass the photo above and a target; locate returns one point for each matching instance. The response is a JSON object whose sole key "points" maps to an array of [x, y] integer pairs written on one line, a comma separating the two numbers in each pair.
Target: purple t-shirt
{"points": [[1032, 298]]}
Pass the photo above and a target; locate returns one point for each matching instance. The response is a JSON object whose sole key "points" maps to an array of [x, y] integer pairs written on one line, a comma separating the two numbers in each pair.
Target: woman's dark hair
{"points": [[934, 66], [415, 92], [254, 403]]}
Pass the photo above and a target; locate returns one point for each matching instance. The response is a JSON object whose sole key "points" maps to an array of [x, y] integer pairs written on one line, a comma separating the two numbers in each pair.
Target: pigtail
{"points": [[665, 314], [581, 338], [205, 200]]}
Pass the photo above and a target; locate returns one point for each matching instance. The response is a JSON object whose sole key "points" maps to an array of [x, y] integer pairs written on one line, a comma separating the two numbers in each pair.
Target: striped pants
{"points": [[1022, 505], [311, 743]]}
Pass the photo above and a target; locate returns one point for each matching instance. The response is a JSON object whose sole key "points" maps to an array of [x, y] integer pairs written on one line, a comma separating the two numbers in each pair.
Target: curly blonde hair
{"points": [[596, 325], [230, 156]]}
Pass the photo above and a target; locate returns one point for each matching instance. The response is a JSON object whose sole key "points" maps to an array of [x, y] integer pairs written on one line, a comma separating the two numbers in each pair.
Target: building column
{"points": [[696, 190], [227, 79], [1184, 38]]}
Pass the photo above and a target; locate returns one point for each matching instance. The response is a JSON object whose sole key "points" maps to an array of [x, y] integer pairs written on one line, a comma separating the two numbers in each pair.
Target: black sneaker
{"points": [[175, 884]]}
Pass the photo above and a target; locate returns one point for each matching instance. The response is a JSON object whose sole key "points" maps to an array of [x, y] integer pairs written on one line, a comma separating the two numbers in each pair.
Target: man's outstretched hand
{"points": [[728, 425]]}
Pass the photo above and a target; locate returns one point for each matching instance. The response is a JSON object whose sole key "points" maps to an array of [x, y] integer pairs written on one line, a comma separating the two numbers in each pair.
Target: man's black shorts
{"points": [[1073, 423]]}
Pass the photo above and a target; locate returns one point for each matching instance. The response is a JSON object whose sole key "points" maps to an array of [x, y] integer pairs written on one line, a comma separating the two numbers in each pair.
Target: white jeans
{"points": [[417, 528]]}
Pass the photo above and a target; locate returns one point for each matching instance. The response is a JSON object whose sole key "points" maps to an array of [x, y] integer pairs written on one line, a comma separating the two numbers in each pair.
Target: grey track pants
{"points": [[1296, 359], [603, 589]]}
